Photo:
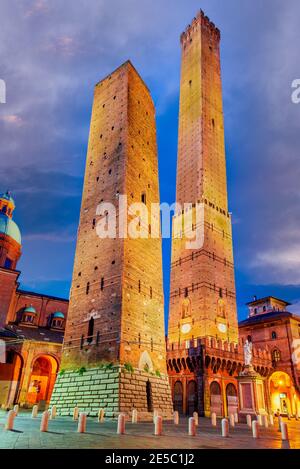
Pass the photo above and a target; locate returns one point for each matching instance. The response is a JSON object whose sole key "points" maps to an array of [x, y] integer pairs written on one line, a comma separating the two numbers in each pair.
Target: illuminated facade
{"points": [[31, 325], [115, 328], [272, 326]]}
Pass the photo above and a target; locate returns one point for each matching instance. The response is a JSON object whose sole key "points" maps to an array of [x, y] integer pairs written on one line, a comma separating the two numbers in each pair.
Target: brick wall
{"points": [[202, 279], [115, 390]]}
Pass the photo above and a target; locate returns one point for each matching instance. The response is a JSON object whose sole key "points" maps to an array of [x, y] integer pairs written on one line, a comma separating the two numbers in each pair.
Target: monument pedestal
{"points": [[251, 393]]}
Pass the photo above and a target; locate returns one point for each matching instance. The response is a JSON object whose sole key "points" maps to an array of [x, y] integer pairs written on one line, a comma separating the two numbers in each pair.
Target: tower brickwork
{"points": [[115, 327], [202, 293]]}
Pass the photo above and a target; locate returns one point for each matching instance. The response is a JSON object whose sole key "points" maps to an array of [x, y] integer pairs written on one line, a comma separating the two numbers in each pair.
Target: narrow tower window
{"points": [[90, 330], [143, 198], [102, 283], [87, 288]]}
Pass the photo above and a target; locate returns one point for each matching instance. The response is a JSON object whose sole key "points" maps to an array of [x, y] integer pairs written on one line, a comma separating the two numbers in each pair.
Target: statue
{"points": [[248, 352], [185, 308]]}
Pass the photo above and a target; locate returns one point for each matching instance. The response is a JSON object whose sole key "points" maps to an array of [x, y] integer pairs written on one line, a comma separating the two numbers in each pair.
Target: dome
{"points": [[58, 314], [10, 228], [30, 309], [8, 197]]}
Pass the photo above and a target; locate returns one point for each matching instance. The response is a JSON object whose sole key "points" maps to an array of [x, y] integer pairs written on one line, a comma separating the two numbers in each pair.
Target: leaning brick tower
{"points": [[202, 293], [114, 348], [203, 328]]}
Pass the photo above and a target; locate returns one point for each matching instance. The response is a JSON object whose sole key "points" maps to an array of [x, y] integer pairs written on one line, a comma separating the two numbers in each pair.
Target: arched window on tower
{"points": [[274, 335], [276, 356], [185, 308], [8, 263]]}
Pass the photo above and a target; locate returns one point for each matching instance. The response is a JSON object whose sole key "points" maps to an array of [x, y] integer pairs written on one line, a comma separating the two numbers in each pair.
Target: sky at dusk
{"points": [[51, 55]]}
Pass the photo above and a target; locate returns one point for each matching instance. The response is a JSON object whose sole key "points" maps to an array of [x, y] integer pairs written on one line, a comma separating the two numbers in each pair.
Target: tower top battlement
{"points": [[200, 20]]}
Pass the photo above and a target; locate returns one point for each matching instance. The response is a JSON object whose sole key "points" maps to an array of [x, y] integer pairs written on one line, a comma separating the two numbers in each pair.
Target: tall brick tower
{"points": [[202, 294], [114, 349]]}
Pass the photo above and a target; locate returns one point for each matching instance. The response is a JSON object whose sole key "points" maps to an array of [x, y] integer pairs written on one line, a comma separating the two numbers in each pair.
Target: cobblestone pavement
{"points": [[63, 434]]}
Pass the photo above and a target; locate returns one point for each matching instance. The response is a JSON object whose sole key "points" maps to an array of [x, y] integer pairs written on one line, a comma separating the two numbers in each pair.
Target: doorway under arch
{"points": [[216, 404], [232, 399], [42, 379], [192, 397], [149, 396], [178, 397], [10, 378], [282, 393]]}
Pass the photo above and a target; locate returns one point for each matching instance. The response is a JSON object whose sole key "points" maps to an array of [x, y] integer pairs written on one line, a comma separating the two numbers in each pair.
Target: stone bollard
{"points": [[214, 419], [279, 423], [271, 419], [196, 417], [176, 417], [225, 428], [284, 431], [236, 417], [192, 426], [101, 415], [53, 412], [259, 419], [75, 413], [232, 420], [158, 425], [81, 423], [265, 420], [16, 409], [155, 414], [249, 421], [34, 412], [134, 416], [44, 421], [121, 424], [255, 428], [10, 420]]}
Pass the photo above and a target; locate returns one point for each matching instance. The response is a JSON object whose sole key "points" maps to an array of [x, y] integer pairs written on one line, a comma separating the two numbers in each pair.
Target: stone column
{"points": [[200, 390], [224, 398], [184, 396]]}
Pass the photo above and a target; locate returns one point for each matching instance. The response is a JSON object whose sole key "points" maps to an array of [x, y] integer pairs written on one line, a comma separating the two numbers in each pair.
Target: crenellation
{"points": [[199, 22]]}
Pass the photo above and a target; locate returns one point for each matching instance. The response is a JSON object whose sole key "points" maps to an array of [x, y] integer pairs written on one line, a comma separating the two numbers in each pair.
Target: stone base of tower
{"points": [[113, 389]]}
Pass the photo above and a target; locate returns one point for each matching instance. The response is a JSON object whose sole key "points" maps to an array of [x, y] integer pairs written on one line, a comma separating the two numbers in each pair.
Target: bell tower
{"points": [[202, 293]]}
